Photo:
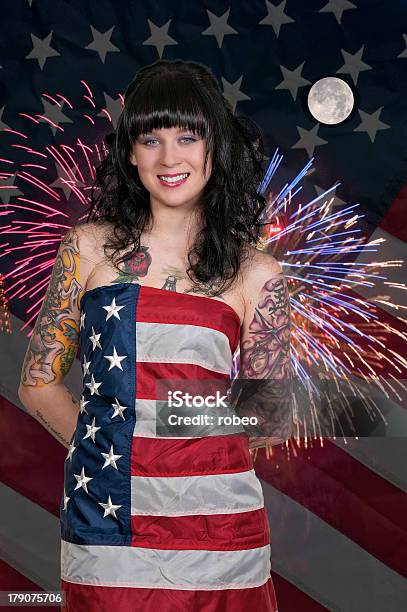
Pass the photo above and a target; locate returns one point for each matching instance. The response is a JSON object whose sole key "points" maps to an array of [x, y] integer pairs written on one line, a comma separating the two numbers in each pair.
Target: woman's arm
{"points": [[265, 377], [53, 345]]}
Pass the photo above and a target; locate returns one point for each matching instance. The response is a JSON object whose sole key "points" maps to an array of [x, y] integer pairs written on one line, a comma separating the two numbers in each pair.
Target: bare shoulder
{"points": [[87, 241], [90, 238], [258, 269]]}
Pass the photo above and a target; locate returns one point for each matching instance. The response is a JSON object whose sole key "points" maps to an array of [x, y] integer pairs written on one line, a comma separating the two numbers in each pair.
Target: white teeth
{"points": [[173, 179]]}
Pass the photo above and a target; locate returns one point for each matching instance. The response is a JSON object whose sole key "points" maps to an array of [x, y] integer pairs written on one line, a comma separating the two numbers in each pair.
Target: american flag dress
{"points": [[150, 522]]}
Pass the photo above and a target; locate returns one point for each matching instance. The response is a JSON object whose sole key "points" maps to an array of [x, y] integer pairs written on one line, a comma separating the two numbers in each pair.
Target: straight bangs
{"points": [[167, 101]]}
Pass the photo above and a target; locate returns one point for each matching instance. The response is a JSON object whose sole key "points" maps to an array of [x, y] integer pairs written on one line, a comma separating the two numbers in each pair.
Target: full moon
{"points": [[330, 100]]}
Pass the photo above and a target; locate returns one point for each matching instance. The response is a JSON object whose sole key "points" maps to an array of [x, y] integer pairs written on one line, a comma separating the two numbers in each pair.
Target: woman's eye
{"points": [[147, 142]]}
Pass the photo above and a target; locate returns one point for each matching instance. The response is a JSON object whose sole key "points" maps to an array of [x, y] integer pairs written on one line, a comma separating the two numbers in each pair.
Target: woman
{"points": [[161, 284]]}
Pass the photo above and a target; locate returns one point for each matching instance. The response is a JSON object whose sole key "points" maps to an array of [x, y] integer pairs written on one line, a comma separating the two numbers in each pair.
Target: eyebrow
{"points": [[180, 131]]}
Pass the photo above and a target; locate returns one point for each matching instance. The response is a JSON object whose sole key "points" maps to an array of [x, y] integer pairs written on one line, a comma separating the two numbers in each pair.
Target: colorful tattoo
{"points": [[54, 340], [266, 353], [135, 267]]}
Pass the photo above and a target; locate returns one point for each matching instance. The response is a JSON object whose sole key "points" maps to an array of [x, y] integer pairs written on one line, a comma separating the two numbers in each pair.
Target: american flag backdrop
{"points": [[337, 512]]}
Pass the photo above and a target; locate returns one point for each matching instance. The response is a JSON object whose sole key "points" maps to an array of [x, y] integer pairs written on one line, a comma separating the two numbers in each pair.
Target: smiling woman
{"points": [[152, 518]]}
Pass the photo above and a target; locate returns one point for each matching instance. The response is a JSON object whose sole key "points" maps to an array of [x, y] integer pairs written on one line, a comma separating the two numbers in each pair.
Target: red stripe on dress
{"points": [[343, 492], [190, 457], [202, 532], [159, 306], [85, 598], [148, 374]]}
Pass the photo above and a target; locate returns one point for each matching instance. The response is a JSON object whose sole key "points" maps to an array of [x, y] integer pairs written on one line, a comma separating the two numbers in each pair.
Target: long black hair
{"points": [[185, 94]]}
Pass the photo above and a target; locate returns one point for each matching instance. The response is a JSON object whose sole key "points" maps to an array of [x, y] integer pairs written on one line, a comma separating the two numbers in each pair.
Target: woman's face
{"points": [[172, 151]]}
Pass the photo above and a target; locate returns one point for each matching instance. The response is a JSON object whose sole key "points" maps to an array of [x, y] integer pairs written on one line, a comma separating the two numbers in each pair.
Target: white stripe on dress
{"points": [[134, 567], [172, 343], [191, 495]]}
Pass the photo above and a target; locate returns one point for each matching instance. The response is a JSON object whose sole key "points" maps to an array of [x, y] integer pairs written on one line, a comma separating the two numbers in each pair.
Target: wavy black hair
{"points": [[185, 94]]}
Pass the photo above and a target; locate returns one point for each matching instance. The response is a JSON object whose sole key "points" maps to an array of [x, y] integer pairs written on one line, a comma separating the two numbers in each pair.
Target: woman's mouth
{"points": [[173, 181]]}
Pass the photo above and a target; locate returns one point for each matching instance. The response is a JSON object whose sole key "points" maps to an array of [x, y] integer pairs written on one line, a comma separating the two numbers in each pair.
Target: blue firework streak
{"points": [[339, 339]]}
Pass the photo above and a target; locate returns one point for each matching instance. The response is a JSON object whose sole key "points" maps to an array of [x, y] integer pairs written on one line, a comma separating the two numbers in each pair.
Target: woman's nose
{"points": [[169, 155]]}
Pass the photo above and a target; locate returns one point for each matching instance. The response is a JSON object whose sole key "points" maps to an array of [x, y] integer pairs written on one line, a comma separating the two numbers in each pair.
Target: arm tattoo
{"points": [[266, 353], [54, 341], [265, 364]]}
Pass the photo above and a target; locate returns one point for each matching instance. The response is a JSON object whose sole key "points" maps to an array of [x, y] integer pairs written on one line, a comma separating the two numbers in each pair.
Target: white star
{"points": [[353, 64], [41, 50], [118, 409], [93, 386], [82, 480], [404, 53], [337, 7], [66, 499], [82, 404], [82, 324], [71, 451], [371, 123], [53, 116], [109, 508], [85, 366], [219, 26], [94, 338], [114, 107], [101, 43], [309, 139], [112, 310], [292, 80], [276, 16], [110, 458], [115, 360], [159, 37], [91, 430], [8, 189], [232, 93]]}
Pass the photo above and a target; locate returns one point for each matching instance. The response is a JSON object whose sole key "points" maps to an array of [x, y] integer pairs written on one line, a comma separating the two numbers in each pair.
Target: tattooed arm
{"points": [[264, 378], [54, 342]]}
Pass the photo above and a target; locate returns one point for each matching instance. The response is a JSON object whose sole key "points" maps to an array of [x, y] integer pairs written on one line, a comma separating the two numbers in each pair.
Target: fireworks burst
{"points": [[342, 344]]}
